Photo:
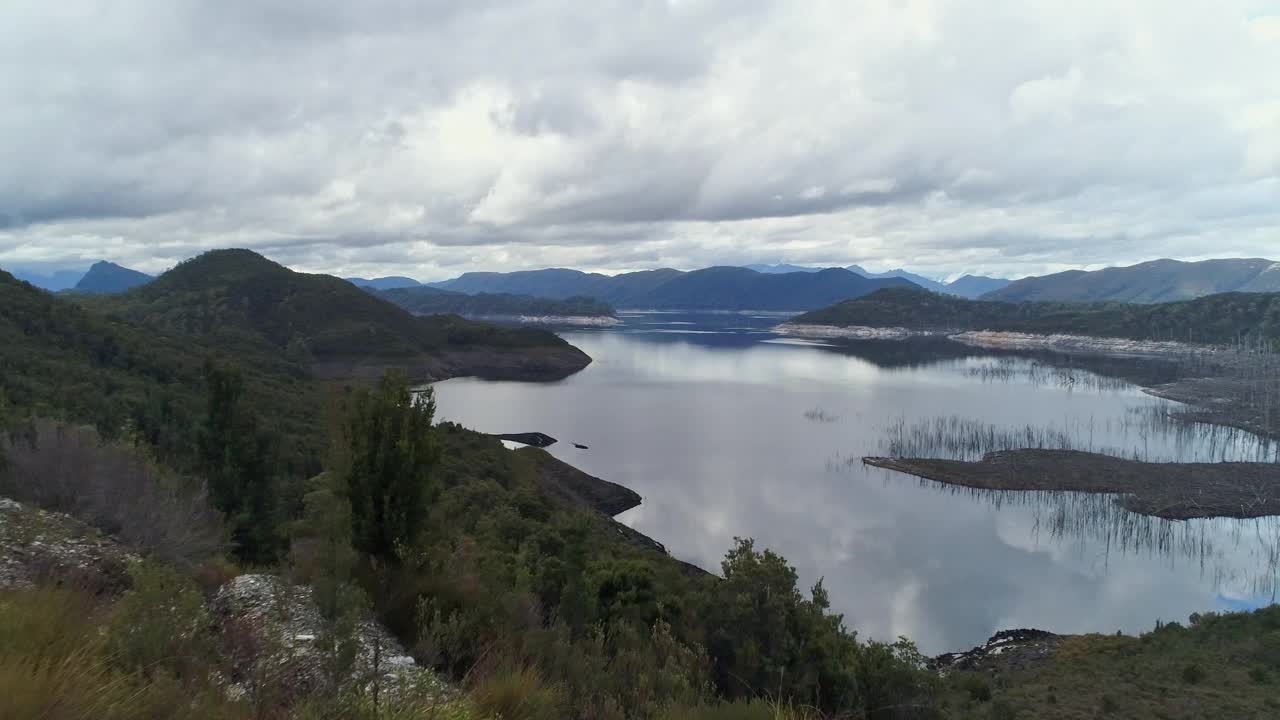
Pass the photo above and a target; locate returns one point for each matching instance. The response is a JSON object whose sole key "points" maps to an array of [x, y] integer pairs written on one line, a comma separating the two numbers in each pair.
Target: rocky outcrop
{"points": [[40, 546], [1006, 650], [270, 629]]}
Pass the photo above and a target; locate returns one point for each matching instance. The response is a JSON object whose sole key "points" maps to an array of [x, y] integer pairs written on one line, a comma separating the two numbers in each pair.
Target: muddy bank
{"points": [[1174, 491], [527, 365]]}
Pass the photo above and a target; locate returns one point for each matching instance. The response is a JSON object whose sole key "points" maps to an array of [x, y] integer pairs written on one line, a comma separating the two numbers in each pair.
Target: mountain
{"points": [[1219, 318], [781, 268], [384, 283], [108, 278], [920, 280], [53, 282], [240, 301], [975, 286], [433, 301], [1148, 282], [715, 288]]}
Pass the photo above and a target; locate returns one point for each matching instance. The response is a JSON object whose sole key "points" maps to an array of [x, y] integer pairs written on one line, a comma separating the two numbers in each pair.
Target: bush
{"points": [[110, 486], [160, 626], [1193, 674], [54, 666], [519, 694]]}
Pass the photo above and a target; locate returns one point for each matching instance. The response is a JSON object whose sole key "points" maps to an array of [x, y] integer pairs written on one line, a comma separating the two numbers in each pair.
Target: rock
{"points": [[270, 628], [1006, 650], [41, 546]]}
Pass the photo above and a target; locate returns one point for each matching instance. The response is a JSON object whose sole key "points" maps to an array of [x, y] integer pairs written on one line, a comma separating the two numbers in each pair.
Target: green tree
{"points": [[235, 457], [388, 471], [323, 557]]}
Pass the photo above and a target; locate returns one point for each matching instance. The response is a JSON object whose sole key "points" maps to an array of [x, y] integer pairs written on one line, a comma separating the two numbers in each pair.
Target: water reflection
{"points": [[725, 435]]}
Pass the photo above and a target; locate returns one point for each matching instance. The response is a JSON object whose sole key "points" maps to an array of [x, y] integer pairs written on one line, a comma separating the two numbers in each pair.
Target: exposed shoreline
{"points": [[1173, 491]]}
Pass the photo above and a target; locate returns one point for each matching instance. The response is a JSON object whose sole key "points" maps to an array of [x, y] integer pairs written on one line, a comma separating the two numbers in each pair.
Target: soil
{"points": [[1175, 491]]}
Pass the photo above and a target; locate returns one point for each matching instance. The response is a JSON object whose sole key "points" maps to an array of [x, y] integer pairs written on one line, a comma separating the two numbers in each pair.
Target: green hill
{"points": [[239, 299], [425, 300], [1221, 318], [1148, 282]]}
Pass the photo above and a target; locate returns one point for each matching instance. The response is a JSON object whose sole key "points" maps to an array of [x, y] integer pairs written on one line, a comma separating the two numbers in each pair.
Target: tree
{"points": [[235, 457], [323, 557], [388, 469]]}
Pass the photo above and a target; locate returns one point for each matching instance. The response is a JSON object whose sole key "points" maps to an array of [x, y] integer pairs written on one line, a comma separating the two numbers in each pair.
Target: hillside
{"points": [[109, 278], [715, 288], [1222, 318], [236, 299], [434, 301], [1148, 282], [975, 286]]}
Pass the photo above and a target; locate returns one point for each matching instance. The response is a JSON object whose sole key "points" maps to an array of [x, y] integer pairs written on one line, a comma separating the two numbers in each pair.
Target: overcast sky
{"points": [[433, 137]]}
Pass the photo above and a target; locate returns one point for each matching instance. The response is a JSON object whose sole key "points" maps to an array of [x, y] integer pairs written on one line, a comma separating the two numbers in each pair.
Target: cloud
{"points": [[1003, 139]]}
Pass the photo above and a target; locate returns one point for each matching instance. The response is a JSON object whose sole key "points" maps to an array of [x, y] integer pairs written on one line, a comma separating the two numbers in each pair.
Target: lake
{"points": [[728, 430]]}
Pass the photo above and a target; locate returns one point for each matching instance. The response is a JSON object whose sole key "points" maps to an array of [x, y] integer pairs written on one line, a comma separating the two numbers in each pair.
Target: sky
{"points": [[430, 137]]}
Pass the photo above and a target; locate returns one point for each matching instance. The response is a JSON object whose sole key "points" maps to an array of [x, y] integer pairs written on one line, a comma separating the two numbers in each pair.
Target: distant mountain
{"points": [[433, 301], [975, 286], [239, 300], [781, 268], [53, 282], [968, 286], [716, 288], [1219, 318], [108, 278], [1148, 282], [920, 280], [384, 283]]}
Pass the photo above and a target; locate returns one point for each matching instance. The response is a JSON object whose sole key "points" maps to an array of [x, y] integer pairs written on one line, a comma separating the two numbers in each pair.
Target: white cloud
{"points": [[433, 138]]}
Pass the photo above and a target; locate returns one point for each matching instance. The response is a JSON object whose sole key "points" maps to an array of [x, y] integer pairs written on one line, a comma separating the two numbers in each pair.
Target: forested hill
{"points": [[1148, 282], [714, 288], [239, 299], [429, 300], [1221, 318]]}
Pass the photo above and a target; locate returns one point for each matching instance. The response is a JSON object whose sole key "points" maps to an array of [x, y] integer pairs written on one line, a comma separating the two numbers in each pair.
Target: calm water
{"points": [[727, 430]]}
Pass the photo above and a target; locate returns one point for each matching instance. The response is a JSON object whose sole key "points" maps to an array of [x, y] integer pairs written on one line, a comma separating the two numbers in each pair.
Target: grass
{"points": [[1216, 666]]}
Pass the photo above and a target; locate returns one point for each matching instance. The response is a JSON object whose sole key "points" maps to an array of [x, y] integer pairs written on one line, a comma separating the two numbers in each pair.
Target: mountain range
{"points": [[968, 286], [1148, 282], [783, 286], [715, 288]]}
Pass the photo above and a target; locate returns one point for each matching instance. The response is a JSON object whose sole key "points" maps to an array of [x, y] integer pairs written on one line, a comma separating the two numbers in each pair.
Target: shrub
{"points": [[1193, 674], [519, 694], [110, 486], [160, 626]]}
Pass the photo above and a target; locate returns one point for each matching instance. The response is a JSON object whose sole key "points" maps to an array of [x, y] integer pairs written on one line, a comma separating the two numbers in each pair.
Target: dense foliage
{"points": [[434, 301], [1222, 318], [1217, 665]]}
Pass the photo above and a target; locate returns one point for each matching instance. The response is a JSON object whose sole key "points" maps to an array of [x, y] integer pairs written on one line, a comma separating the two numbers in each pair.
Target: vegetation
{"points": [[214, 435], [1216, 666], [425, 300], [1226, 318]]}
